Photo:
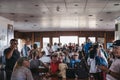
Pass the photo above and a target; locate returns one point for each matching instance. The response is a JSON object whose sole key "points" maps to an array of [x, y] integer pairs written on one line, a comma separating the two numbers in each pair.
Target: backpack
{"points": [[70, 73], [81, 69]]}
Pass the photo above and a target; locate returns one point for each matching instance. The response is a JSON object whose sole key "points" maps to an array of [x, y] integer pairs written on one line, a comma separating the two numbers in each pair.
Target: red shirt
{"points": [[54, 67]]}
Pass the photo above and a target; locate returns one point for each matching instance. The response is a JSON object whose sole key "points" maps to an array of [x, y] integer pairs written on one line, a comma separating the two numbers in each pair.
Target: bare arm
{"points": [[113, 74], [46, 66], [10, 52]]}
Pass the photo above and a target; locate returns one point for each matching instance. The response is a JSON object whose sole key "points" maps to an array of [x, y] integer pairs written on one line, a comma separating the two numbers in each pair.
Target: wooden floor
{"points": [[55, 78]]}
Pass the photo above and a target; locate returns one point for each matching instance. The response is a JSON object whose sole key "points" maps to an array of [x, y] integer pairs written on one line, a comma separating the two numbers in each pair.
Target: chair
{"points": [[39, 72], [2, 72]]}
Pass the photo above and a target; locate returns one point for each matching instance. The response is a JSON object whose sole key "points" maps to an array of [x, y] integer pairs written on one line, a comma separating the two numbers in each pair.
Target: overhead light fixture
{"points": [[101, 19], [31, 16], [44, 12], [117, 4], [76, 5], [12, 13], [58, 8], [76, 12], [90, 15], [108, 12], [26, 20], [36, 5], [34, 25]]}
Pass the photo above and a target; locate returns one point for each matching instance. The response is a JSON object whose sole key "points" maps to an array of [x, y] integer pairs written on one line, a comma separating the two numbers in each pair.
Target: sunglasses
{"points": [[54, 55], [75, 55], [15, 42]]}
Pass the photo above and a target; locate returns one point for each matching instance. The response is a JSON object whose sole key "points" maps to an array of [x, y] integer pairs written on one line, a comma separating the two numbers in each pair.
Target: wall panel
{"points": [[108, 35]]}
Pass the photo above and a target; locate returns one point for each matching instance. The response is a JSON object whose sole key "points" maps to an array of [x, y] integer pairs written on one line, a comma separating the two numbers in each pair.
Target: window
{"points": [[55, 40], [46, 40], [92, 39], [68, 39], [20, 44], [82, 40]]}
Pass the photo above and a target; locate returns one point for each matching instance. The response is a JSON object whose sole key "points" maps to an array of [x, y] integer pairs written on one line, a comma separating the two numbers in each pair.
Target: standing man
{"points": [[25, 50], [113, 73], [86, 47], [11, 55]]}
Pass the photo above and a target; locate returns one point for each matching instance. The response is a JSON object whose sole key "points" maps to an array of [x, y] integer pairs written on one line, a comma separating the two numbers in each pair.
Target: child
{"points": [[62, 66]]}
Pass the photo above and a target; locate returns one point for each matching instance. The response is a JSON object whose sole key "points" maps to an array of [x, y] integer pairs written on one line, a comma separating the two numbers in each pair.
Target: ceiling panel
{"points": [[53, 1], [95, 6], [112, 6], [51, 15], [76, 1]]}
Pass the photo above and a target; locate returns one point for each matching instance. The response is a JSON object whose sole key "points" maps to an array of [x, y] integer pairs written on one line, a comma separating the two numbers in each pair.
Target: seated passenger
{"points": [[35, 64], [79, 67], [44, 58], [21, 71], [62, 66], [66, 57], [53, 69], [34, 50], [75, 58]]}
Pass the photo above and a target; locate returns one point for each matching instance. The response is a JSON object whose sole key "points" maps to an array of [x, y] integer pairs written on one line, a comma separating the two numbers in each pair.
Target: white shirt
{"points": [[115, 67], [45, 59], [22, 73], [46, 49]]}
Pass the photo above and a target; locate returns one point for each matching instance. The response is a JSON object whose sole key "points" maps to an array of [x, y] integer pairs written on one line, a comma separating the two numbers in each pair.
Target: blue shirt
{"points": [[86, 47], [73, 61]]}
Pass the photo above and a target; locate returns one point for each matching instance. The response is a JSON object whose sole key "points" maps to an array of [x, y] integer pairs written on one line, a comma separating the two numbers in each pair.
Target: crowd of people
{"points": [[87, 62]]}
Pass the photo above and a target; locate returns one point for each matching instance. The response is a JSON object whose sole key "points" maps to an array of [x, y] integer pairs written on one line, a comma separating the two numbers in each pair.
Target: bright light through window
{"points": [[82, 40], [92, 39], [55, 40], [46, 40], [68, 39]]}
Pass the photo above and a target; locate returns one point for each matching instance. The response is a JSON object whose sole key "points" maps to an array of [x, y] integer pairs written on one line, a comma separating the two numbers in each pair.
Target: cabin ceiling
{"points": [[61, 15]]}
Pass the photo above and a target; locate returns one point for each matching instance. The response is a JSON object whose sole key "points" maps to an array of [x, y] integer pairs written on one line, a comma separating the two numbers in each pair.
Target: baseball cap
{"points": [[116, 43]]}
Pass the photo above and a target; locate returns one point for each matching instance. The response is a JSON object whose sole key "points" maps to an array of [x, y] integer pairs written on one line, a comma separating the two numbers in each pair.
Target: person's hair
{"points": [[55, 54], [20, 62], [96, 46], [61, 54], [34, 46], [43, 52], [13, 40]]}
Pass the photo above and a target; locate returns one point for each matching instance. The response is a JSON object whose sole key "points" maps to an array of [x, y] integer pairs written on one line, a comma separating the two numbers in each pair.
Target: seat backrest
{"points": [[2, 72]]}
